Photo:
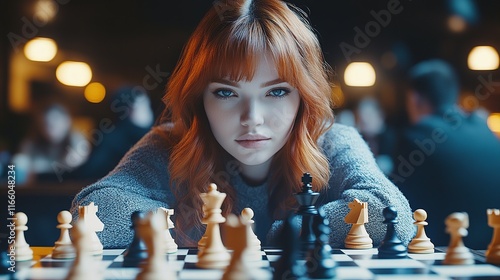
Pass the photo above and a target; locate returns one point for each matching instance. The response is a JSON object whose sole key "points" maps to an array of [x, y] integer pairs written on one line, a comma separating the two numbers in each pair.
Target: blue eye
{"points": [[223, 93], [279, 92]]}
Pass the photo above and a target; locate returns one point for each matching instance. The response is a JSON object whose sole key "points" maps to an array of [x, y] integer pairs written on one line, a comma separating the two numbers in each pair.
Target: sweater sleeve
{"points": [[355, 174], [140, 182]]}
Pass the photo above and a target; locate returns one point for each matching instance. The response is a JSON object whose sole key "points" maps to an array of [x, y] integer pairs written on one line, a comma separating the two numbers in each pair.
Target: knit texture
{"points": [[141, 182]]}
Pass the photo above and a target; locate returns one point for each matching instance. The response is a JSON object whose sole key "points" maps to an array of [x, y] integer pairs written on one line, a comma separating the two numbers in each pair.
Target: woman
{"points": [[249, 108]]}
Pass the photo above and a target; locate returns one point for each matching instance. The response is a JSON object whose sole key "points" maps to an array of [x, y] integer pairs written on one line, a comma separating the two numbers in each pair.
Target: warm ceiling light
{"points": [[72, 73], [359, 74], [40, 49], [494, 122], [483, 58], [95, 92]]}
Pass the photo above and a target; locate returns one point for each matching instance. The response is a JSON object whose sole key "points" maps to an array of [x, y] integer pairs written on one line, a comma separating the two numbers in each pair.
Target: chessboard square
{"points": [[478, 270], [353, 272], [401, 271], [109, 257], [191, 259], [38, 273], [346, 263], [188, 274], [183, 251], [113, 252], [121, 273], [390, 263], [176, 257], [273, 258], [66, 263], [342, 258], [192, 252], [363, 252], [413, 277], [426, 257]]}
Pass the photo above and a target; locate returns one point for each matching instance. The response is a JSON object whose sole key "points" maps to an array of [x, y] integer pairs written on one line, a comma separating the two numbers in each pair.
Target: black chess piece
{"points": [[391, 247], [136, 252], [287, 267], [319, 261], [307, 198]]}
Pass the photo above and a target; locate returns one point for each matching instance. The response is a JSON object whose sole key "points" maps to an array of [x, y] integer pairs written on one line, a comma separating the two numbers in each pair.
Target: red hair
{"points": [[227, 44]]}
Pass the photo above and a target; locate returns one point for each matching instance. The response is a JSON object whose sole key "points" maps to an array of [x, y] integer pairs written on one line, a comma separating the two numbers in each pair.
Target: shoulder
{"points": [[340, 137]]}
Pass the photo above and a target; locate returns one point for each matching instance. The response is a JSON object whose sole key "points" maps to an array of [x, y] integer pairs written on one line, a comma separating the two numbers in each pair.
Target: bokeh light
{"points": [[95, 92], [483, 58], [359, 74], [494, 122], [73, 73], [40, 49]]}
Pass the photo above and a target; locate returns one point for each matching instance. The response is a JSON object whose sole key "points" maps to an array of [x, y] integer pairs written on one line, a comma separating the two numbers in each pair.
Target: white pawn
{"points": [[170, 245], [420, 244], [63, 247], [21, 247], [254, 248], [493, 252], [456, 225]]}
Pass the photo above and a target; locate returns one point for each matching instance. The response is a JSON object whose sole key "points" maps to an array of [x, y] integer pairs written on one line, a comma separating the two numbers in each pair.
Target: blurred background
{"points": [[83, 78]]}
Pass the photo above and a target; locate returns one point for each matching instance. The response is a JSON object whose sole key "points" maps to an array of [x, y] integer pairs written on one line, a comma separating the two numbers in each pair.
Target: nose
{"points": [[251, 114]]}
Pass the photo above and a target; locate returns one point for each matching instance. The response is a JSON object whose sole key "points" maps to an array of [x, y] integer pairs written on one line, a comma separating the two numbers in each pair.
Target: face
{"points": [[252, 120]]}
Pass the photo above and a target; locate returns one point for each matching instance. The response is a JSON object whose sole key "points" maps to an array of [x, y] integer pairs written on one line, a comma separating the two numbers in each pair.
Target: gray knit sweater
{"points": [[141, 182]]}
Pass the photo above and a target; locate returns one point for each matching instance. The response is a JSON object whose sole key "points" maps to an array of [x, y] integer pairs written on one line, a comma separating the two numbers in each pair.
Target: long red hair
{"points": [[227, 44]]}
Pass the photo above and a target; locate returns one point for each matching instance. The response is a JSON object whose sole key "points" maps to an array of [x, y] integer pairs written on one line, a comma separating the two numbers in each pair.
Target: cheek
{"points": [[282, 118]]}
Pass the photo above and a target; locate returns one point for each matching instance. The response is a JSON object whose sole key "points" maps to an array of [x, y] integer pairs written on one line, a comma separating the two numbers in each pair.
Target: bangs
{"points": [[235, 54]]}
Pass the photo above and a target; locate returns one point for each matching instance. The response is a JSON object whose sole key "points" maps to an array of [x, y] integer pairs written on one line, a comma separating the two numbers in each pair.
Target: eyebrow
{"points": [[235, 84]]}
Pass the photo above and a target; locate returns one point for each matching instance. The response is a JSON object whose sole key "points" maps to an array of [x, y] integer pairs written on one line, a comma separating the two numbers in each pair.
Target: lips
{"points": [[252, 141]]}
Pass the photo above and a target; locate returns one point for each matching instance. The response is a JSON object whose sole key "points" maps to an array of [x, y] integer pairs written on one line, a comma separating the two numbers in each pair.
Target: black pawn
{"points": [[391, 247], [319, 261], [287, 267], [306, 199], [136, 252]]}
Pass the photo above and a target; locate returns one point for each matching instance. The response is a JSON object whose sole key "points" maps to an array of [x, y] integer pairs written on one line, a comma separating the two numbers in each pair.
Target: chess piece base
{"points": [[458, 255]]}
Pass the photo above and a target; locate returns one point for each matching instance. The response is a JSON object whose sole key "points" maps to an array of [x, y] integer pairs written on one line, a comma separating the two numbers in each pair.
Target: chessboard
{"points": [[351, 264]]}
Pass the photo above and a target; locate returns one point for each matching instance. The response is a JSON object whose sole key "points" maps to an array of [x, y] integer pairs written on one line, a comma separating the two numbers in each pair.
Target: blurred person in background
{"points": [[448, 160], [51, 144], [381, 138], [133, 117]]}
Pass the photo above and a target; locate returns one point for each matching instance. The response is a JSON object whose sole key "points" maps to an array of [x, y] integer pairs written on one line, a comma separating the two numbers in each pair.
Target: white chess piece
{"points": [[493, 252], [84, 266], [170, 245], [152, 231], [420, 244], [254, 248], [88, 214], [358, 237], [21, 247], [214, 255], [63, 247], [239, 239], [456, 225]]}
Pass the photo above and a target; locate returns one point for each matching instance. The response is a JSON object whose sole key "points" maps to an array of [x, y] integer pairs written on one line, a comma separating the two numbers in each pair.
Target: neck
{"points": [[255, 174]]}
